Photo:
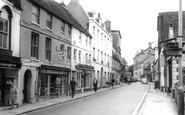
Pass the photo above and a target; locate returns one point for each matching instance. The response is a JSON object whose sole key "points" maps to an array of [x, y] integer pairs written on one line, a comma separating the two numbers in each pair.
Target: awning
{"points": [[47, 69], [10, 62], [84, 67]]}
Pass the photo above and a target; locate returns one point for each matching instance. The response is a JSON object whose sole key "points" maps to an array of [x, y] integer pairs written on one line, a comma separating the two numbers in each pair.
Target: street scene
{"points": [[75, 57]]}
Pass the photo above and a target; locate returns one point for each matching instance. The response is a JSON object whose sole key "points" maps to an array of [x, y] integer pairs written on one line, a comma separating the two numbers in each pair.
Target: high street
{"points": [[119, 101]]}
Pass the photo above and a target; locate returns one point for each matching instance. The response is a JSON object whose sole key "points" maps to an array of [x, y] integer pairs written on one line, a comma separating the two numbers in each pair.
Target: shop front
{"points": [[9, 68], [83, 76], [53, 82]]}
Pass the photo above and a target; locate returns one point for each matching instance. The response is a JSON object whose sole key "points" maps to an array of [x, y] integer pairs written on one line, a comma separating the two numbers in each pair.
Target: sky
{"points": [[136, 20]]}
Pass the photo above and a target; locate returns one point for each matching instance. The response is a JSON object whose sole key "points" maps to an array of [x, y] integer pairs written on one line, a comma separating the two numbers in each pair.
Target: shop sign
{"points": [[61, 54], [9, 65]]}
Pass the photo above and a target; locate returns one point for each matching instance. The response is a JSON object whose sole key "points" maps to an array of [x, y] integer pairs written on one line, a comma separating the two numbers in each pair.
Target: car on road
{"points": [[134, 79], [144, 81]]}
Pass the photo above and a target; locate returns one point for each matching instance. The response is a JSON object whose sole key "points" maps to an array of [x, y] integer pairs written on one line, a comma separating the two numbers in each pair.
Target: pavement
{"points": [[154, 102], [157, 102], [26, 108]]}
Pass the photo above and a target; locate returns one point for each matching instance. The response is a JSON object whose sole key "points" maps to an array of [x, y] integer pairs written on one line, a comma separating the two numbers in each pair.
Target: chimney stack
{"points": [[149, 45], [74, 1], [108, 25]]}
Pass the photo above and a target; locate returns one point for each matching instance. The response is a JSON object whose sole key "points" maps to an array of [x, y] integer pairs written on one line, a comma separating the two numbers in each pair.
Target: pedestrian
{"points": [[113, 81], [95, 83], [156, 85], [13, 96], [73, 85]]}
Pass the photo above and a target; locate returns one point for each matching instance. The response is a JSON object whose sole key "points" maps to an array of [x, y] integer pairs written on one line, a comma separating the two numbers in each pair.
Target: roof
{"points": [[16, 3], [117, 31], [143, 51], [60, 12]]}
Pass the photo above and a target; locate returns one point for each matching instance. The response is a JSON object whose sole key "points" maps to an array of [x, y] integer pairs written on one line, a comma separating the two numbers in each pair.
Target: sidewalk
{"points": [[44, 104], [158, 103]]}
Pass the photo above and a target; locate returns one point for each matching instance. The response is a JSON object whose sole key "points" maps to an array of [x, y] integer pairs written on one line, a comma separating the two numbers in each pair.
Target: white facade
{"points": [[15, 30], [81, 54], [102, 51]]}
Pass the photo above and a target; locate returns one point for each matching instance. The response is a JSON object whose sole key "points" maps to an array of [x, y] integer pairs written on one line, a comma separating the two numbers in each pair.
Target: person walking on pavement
{"points": [[73, 85], [113, 81], [95, 83], [156, 85], [13, 96]]}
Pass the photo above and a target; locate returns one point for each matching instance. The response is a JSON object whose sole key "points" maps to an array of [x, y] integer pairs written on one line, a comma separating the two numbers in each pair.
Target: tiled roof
{"points": [[60, 12]]}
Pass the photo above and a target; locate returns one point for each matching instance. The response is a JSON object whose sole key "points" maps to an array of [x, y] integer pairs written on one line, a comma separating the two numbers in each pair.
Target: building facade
{"points": [[102, 49], [46, 48], [82, 67], [142, 62], [168, 62], [10, 63], [116, 54]]}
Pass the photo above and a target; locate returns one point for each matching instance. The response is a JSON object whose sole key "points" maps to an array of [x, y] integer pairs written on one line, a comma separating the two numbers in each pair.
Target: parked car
{"points": [[134, 79], [144, 81]]}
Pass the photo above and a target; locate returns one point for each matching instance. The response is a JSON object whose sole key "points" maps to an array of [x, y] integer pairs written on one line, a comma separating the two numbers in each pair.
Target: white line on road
{"points": [[140, 103]]}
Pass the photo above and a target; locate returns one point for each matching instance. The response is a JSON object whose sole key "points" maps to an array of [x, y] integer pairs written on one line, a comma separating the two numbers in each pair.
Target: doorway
{"points": [[27, 87]]}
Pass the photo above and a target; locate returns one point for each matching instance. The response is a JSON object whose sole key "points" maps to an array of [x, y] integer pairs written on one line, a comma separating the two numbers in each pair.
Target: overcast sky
{"points": [[136, 20]]}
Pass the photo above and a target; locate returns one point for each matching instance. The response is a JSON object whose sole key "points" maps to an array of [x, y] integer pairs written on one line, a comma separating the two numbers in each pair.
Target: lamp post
{"points": [[180, 89]]}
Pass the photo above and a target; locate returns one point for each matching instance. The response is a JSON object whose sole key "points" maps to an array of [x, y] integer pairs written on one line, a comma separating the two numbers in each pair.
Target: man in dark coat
{"points": [[72, 84]]}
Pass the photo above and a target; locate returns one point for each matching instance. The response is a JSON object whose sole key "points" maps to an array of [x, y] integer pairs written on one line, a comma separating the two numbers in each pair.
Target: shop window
{"points": [[78, 80], [34, 45], [43, 85]]}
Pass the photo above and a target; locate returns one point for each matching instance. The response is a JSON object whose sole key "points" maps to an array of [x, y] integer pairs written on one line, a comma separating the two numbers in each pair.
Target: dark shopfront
{"points": [[9, 67], [53, 82]]}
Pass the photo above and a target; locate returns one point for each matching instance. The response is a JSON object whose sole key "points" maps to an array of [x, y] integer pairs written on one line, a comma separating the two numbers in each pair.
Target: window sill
{"points": [[34, 23], [34, 59], [49, 29]]}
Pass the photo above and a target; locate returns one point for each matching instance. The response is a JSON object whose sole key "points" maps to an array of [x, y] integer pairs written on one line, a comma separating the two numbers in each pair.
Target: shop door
{"points": [[64, 85], [2, 86]]}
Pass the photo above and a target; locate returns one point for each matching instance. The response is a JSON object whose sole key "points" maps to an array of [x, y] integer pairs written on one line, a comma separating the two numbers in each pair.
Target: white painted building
{"points": [[10, 62], [102, 49], [81, 61]]}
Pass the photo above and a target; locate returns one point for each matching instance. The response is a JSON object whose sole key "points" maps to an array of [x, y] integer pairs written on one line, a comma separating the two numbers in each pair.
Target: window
{"points": [[48, 49], [93, 52], [4, 33], [80, 37], [97, 33], [105, 55], [69, 53], [93, 31], [79, 56], [105, 39], [74, 54], [101, 37], [86, 40], [35, 14], [69, 30], [86, 56], [62, 49], [62, 27], [98, 53], [90, 56], [49, 21], [90, 41], [34, 45]]}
